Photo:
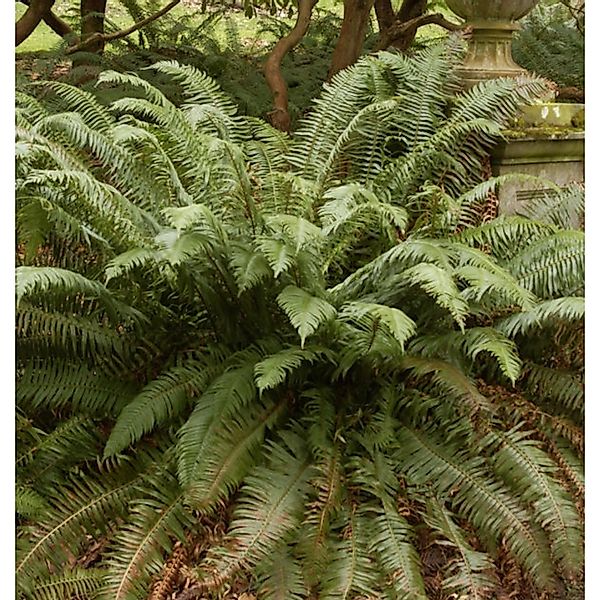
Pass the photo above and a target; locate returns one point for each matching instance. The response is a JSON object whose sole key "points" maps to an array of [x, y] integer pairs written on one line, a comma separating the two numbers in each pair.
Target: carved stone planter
{"points": [[490, 50]]}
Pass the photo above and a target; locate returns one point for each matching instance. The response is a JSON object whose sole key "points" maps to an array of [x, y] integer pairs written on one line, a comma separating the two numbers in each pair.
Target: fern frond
{"points": [[390, 534], [70, 441], [229, 393], [471, 573], [78, 583], [483, 501], [50, 332], [197, 86], [75, 99], [77, 508], [561, 209], [528, 469], [439, 283], [129, 260], [485, 339], [251, 268], [306, 312], [559, 387], [351, 570], [138, 549], [269, 508], [543, 314], [28, 503], [280, 577], [163, 398], [41, 280], [55, 384], [472, 342], [400, 325], [448, 378], [274, 369], [551, 266], [233, 451], [504, 235]]}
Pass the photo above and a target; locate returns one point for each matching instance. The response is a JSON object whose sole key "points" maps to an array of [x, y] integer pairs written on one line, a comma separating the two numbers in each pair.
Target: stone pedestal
{"points": [[493, 23], [550, 144]]}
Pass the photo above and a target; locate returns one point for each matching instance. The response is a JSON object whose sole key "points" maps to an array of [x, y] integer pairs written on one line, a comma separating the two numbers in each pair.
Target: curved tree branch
{"points": [[406, 30], [55, 23], [103, 37], [26, 25], [280, 116]]}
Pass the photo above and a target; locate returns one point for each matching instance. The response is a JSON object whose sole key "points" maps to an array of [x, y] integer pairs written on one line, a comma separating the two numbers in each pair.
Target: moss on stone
{"points": [[522, 131]]}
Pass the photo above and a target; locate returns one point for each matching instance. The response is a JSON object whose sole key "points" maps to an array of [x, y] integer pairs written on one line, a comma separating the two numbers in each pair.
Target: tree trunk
{"points": [[390, 23], [26, 25], [385, 14], [55, 23], [280, 116], [352, 35], [411, 9], [92, 24], [400, 32]]}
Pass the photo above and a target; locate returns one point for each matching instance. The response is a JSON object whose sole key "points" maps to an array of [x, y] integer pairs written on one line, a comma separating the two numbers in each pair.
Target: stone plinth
{"points": [[556, 156]]}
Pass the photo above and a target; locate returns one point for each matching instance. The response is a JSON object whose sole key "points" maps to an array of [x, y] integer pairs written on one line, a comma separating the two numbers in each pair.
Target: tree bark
{"points": [[92, 24], [103, 37], [411, 9], [385, 14], [387, 20], [280, 116], [352, 35], [402, 34], [55, 23], [26, 25]]}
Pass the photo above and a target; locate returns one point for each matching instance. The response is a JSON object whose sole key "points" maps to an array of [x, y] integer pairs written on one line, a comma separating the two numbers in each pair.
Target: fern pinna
{"points": [[299, 363]]}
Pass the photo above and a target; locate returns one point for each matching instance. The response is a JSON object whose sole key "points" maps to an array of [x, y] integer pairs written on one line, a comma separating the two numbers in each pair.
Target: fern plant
{"points": [[307, 344]]}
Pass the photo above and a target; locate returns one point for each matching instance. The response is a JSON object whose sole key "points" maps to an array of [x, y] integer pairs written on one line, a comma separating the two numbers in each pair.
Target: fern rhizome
{"points": [[301, 365]]}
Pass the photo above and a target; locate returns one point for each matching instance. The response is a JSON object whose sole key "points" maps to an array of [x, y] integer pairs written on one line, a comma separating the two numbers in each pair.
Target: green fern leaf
{"points": [[441, 286], [470, 574], [233, 451], [229, 393], [400, 325], [543, 314], [306, 312], [163, 398], [274, 369], [529, 470], [280, 577], [137, 550], [78, 583], [269, 508]]}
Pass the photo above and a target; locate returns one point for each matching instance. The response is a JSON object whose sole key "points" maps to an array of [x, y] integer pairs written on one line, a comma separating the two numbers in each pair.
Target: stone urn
{"points": [[490, 49]]}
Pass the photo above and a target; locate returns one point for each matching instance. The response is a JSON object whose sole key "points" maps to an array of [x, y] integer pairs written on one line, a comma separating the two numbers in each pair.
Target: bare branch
{"points": [[123, 32], [280, 116], [25, 26], [55, 23], [402, 29]]}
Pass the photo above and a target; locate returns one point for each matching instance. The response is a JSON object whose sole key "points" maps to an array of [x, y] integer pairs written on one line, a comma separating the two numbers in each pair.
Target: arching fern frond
{"points": [[546, 313], [79, 583], [136, 553], [487, 504], [306, 313], [163, 398], [530, 471], [269, 508], [470, 574]]}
